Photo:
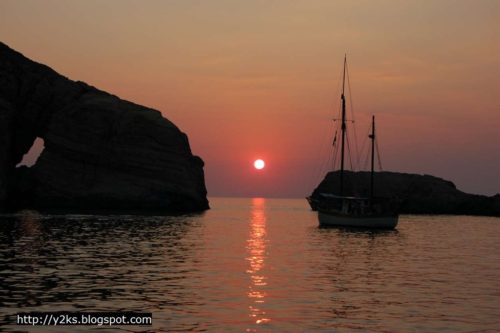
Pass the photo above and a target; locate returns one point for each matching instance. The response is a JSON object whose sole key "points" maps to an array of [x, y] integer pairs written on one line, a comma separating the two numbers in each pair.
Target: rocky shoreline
{"points": [[100, 152], [418, 194]]}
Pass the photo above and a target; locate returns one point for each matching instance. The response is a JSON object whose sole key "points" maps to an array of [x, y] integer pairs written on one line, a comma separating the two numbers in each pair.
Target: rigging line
{"points": [[337, 129], [334, 156], [349, 150], [331, 164], [368, 152], [325, 166], [368, 149], [353, 181], [338, 93], [339, 112], [319, 165], [365, 164], [362, 152], [337, 125], [337, 117], [334, 140], [378, 156], [364, 155], [356, 146], [334, 144], [330, 158], [335, 152], [320, 154], [321, 169]]}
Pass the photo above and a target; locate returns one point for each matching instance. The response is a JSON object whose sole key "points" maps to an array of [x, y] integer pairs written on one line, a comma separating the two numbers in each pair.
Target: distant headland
{"points": [[419, 194], [101, 152]]}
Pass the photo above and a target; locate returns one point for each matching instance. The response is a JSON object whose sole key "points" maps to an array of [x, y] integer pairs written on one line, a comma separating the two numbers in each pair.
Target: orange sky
{"points": [[259, 79]]}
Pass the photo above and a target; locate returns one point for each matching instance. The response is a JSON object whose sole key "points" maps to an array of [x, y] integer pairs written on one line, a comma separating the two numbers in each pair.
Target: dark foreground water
{"points": [[251, 265]]}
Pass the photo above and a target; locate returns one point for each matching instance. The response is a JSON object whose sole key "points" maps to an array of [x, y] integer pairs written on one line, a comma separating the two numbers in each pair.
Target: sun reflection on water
{"points": [[256, 255]]}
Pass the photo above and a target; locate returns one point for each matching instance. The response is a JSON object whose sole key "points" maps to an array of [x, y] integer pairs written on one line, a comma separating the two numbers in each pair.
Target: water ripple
{"points": [[254, 265]]}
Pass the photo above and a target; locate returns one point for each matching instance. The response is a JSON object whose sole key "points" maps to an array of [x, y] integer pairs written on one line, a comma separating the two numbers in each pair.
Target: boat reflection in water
{"points": [[256, 256]]}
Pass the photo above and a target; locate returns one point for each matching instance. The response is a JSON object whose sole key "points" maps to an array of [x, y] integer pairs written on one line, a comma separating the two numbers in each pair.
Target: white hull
{"points": [[379, 222]]}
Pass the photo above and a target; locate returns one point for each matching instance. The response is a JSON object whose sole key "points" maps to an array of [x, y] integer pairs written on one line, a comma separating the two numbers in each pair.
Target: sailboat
{"points": [[354, 211]]}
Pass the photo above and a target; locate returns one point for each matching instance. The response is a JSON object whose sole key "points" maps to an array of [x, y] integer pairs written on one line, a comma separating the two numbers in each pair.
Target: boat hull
{"points": [[377, 222], [313, 203]]}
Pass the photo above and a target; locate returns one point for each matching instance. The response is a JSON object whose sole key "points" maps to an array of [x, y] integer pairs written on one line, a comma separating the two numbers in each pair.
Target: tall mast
{"points": [[372, 137], [343, 132]]}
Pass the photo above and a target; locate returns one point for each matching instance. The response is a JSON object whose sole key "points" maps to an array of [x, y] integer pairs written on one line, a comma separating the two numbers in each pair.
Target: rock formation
{"points": [[101, 152], [419, 194]]}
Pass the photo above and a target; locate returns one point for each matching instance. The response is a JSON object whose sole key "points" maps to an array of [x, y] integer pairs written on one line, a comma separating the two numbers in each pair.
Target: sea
{"points": [[253, 265]]}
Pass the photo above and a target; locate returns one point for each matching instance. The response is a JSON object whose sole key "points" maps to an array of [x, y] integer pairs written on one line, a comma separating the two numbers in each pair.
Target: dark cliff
{"points": [[419, 194], [101, 152]]}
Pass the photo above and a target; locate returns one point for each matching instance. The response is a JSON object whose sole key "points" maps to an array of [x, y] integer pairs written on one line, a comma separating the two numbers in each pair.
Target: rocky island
{"points": [[418, 194], [100, 152]]}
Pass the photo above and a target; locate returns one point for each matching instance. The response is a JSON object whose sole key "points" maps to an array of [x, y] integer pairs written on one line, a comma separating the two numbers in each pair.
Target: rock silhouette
{"points": [[419, 194], [100, 152]]}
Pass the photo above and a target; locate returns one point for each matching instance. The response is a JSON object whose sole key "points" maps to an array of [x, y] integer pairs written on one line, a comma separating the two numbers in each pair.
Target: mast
{"points": [[372, 137], [343, 132]]}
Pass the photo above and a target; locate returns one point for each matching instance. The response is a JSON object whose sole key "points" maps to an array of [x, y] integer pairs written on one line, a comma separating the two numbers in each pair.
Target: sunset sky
{"points": [[259, 79]]}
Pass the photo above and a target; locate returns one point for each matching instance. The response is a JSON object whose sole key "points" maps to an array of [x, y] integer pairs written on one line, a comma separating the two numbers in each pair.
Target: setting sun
{"points": [[259, 164]]}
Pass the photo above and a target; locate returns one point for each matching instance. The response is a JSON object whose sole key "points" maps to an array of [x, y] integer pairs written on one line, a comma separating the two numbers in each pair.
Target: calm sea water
{"points": [[254, 265]]}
